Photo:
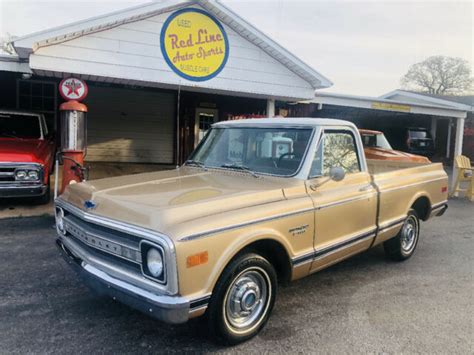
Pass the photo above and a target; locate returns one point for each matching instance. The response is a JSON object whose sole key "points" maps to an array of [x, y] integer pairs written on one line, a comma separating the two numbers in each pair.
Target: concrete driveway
{"points": [[363, 305]]}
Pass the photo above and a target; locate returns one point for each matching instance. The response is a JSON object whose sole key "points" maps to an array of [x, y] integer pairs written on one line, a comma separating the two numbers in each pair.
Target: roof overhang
{"points": [[375, 103], [13, 63], [419, 97]]}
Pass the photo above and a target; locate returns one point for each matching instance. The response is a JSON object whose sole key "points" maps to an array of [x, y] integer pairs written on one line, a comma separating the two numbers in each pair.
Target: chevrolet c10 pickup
{"points": [[259, 203]]}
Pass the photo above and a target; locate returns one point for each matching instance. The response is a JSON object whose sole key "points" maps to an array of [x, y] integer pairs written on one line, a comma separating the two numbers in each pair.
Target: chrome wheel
{"points": [[409, 234], [247, 299]]}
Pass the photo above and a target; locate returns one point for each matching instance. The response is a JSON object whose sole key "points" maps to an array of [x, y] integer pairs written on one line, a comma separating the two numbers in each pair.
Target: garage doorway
{"points": [[205, 117]]}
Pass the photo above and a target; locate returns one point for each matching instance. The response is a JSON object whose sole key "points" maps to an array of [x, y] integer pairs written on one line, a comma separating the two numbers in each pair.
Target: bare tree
{"points": [[439, 75]]}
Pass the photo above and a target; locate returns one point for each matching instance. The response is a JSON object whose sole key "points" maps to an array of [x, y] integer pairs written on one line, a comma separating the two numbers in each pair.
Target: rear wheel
{"points": [[404, 244], [242, 299]]}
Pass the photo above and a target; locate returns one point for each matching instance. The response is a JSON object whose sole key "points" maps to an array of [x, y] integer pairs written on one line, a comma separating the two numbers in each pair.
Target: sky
{"points": [[363, 47]]}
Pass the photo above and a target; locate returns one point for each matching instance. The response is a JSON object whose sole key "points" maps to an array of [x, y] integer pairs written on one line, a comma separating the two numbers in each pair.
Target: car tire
{"points": [[46, 197], [242, 300], [404, 244]]}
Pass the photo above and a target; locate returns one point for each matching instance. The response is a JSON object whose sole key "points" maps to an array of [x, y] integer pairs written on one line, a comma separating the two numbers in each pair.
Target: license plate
{"points": [[422, 144]]}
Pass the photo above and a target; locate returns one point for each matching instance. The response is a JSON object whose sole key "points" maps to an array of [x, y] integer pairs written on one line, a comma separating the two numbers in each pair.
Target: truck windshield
{"points": [[375, 140], [275, 151], [19, 126]]}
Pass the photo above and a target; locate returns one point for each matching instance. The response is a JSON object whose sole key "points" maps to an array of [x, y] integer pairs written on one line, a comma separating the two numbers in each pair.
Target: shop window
{"points": [[38, 96]]}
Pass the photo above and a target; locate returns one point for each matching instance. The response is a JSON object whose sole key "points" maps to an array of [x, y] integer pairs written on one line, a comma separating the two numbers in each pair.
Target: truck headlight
{"points": [[154, 262], [33, 175], [24, 174], [21, 175]]}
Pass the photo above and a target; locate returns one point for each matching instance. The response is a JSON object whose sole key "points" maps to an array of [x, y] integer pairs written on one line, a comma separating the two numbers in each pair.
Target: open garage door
{"points": [[132, 126]]}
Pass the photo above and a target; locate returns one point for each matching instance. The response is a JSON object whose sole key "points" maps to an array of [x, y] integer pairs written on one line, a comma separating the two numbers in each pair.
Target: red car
{"points": [[26, 155]]}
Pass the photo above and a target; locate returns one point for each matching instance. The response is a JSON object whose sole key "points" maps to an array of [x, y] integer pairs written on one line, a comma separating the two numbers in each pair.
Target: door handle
{"points": [[365, 188]]}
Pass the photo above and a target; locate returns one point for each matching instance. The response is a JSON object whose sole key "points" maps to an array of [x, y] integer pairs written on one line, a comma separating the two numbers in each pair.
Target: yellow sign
{"points": [[194, 44], [390, 107]]}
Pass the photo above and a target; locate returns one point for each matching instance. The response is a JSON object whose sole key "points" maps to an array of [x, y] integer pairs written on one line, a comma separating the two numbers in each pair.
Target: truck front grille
{"points": [[104, 242], [7, 174]]}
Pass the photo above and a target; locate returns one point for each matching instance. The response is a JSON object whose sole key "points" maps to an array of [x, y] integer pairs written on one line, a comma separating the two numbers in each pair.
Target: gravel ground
{"points": [[363, 305]]}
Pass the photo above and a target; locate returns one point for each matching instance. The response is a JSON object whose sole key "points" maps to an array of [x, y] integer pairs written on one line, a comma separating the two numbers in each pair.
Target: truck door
{"points": [[345, 211]]}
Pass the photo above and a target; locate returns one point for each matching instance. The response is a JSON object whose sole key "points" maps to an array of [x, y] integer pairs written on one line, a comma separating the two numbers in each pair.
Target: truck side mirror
{"points": [[337, 173]]}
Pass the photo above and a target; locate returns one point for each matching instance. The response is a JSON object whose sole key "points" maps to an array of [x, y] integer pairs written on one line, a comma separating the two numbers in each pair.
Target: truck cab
{"points": [[26, 155]]}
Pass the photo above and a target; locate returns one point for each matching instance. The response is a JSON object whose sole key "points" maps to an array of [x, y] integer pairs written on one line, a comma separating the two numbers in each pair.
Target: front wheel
{"points": [[404, 244], [242, 299]]}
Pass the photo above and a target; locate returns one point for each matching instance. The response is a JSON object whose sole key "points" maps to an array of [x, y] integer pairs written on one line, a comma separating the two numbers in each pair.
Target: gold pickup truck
{"points": [[259, 203]]}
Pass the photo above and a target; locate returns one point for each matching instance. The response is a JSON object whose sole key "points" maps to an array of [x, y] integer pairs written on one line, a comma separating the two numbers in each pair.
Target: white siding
{"points": [[130, 126], [132, 52]]}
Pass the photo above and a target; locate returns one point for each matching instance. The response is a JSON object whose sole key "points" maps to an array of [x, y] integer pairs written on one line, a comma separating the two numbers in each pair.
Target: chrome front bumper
{"points": [[169, 309], [19, 190]]}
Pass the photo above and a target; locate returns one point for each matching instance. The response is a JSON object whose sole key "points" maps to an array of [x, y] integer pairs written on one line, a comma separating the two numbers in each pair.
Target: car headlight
{"points": [[33, 175], [21, 174], [60, 221], [154, 262]]}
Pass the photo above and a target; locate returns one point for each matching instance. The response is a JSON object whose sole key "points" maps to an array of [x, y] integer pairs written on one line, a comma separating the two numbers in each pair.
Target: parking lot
{"points": [[365, 304]]}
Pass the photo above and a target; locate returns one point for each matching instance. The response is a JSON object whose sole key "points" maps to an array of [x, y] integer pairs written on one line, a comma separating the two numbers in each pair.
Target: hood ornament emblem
{"points": [[89, 205]]}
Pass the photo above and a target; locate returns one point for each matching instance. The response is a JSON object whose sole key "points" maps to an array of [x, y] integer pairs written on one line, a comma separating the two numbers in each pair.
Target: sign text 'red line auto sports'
{"points": [[194, 44]]}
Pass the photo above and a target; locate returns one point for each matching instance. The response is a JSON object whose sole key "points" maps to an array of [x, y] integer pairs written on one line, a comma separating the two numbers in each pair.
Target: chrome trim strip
{"points": [[162, 239], [392, 224], [405, 186], [15, 185], [439, 205], [357, 198], [266, 219], [330, 249], [200, 302], [318, 257], [236, 226]]}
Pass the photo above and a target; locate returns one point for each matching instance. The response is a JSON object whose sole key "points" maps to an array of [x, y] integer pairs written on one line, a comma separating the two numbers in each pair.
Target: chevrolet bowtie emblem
{"points": [[89, 205]]}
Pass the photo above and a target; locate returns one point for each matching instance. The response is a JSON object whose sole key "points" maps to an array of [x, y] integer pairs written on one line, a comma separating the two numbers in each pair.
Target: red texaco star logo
{"points": [[73, 87]]}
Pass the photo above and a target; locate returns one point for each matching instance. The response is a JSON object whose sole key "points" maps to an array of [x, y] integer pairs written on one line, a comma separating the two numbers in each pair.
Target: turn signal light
{"points": [[197, 259]]}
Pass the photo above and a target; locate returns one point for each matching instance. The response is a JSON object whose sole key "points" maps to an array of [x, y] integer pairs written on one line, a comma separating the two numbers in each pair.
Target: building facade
{"points": [[158, 74]]}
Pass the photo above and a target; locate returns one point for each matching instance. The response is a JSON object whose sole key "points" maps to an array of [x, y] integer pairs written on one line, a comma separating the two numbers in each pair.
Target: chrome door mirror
{"points": [[337, 173]]}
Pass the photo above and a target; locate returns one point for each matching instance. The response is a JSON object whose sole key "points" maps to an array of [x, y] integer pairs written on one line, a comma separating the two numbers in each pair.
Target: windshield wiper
{"points": [[195, 163], [240, 167]]}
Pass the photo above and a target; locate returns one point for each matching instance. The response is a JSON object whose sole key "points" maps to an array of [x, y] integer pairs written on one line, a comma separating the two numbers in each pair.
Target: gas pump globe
{"points": [[73, 120]]}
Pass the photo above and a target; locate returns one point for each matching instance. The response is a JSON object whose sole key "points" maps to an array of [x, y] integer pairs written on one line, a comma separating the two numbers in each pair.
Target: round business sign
{"points": [[73, 89], [194, 44]]}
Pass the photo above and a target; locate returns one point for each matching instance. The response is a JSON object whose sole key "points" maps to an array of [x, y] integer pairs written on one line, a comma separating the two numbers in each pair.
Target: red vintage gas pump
{"points": [[73, 123], [73, 141]]}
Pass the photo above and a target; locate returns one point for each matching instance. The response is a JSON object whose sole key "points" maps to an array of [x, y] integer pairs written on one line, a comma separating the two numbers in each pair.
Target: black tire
{"points": [[46, 197], [404, 244], [246, 270]]}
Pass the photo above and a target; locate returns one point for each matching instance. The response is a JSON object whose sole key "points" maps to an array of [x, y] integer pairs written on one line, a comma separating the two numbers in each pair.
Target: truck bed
{"points": [[377, 166], [401, 185]]}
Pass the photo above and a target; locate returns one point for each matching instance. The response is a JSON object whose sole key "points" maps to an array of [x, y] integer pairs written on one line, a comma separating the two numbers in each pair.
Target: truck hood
{"points": [[22, 150], [160, 200]]}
